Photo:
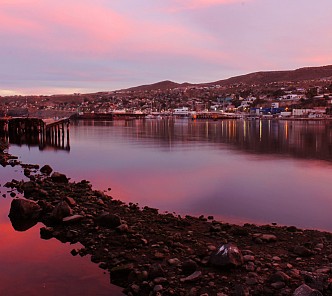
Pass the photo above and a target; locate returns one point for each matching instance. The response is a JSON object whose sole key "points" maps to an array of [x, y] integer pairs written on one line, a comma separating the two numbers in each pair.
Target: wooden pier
{"points": [[33, 131]]}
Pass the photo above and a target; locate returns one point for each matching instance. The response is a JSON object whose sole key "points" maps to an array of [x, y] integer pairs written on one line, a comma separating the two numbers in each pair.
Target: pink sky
{"points": [[80, 46]]}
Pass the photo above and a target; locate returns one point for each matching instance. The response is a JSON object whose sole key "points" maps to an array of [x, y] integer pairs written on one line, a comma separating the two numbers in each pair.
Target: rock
{"points": [[265, 237], [46, 232], [29, 188], [302, 251], [189, 267], [193, 277], [25, 209], [72, 219], [174, 261], [157, 288], [59, 178], [122, 270], [109, 220], [123, 228], [247, 258], [158, 256], [70, 201], [278, 285], [61, 211], [305, 290], [227, 255], [279, 276], [46, 169]]}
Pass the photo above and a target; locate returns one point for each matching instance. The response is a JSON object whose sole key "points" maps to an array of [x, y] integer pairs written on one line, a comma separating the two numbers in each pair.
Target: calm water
{"points": [[259, 171]]}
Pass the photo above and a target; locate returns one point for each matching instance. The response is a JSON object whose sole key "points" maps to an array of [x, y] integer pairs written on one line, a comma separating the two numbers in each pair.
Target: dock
{"points": [[36, 131]]}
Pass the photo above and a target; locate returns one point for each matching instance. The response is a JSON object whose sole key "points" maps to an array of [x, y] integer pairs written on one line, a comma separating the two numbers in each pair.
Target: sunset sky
{"points": [[50, 47]]}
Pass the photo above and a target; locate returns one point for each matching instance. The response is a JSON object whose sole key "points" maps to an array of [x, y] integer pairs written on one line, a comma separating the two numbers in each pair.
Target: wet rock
{"points": [[24, 209], [226, 255], [305, 290], [29, 188], [121, 270], [61, 211], [108, 220], [59, 178], [46, 169], [46, 232]]}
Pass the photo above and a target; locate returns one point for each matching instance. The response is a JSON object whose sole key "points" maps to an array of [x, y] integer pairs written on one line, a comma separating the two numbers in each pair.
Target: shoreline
{"points": [[148, 253]]}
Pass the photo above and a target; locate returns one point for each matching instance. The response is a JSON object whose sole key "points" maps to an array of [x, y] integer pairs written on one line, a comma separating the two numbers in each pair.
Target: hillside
{"points": [[302, 74], [263, 77], [162, 85]]}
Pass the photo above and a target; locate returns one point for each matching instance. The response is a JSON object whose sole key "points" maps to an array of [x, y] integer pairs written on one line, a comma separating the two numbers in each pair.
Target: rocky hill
{"points": [[257, 78]]}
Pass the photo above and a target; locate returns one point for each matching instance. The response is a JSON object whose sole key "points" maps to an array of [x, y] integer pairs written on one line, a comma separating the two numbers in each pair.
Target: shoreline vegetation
{"points": [[149, 253]]}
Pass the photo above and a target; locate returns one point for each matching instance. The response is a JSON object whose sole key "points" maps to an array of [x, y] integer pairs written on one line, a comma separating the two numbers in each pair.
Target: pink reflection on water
{"points": [[32, 266]]}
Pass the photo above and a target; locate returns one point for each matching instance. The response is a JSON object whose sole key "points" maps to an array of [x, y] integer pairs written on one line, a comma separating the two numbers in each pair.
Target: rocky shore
{"points": [[152, 253]]}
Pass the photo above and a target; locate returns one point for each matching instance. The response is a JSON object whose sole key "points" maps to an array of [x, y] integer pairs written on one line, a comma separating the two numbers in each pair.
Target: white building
{"points": [[183, 111]]}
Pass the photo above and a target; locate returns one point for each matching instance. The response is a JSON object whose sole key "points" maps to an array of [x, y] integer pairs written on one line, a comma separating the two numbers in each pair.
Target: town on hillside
{"points": [[299, 99]]}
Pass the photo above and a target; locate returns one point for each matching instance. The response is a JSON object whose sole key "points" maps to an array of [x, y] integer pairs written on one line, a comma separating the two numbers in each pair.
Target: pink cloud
{"points": [[179, 5]]}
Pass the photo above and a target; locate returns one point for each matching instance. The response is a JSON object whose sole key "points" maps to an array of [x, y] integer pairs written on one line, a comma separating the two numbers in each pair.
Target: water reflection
{"points": [[248, 170], [32, 266], [300, 139]]}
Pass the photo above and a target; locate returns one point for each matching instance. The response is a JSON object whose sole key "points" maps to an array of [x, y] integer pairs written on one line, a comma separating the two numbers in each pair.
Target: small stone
{"points": [[70, 201], [227, 255], [174, 261], [157, 288], [305, 290], [278, 285], [160, 280], [247, 258], [324, 270], [159, 255], [72, 219], [193, 277]]}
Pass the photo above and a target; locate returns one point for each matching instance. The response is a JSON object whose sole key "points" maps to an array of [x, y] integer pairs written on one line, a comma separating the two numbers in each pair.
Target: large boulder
{"points": [[24, 209], [227, 255]]}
